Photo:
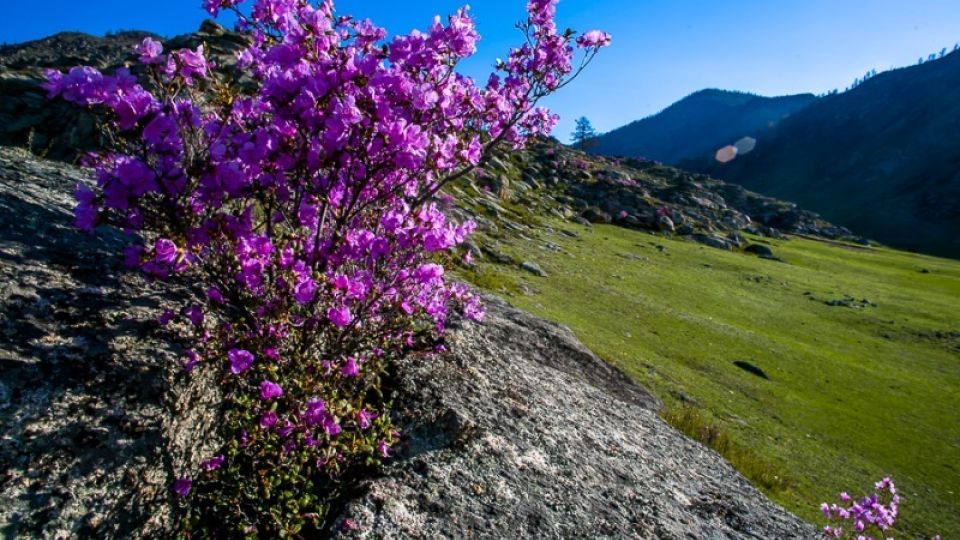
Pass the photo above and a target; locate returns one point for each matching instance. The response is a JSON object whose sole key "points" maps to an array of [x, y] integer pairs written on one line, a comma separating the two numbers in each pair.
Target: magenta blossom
{"points": [[149, 51], [593, 39], [182, 486], [350, 368], [340, 316], [191, 360], [215, 296], [213, 463], [270, 390], [240, 360], [166, 251], [365, 417], [268, 420]]}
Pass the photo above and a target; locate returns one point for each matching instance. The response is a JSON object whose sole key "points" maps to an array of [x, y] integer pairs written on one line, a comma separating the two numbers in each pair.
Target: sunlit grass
{"points": [[853, 394]]}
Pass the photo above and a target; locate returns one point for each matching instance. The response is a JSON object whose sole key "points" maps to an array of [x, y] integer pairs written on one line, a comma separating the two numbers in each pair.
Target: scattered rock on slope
{"points": [[759, 250]]}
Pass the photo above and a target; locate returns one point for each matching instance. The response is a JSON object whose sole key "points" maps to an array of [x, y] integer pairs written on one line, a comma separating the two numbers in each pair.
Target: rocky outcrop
{"points": [[521, 432], [96, 414], [60, 130]]}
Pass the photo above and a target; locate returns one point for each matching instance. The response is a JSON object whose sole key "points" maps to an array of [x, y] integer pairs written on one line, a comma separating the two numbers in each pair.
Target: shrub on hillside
{"points": [[298, 192]]}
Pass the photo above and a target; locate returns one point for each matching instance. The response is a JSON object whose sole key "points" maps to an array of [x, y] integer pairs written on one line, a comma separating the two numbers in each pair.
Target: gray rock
{"points": [[581, 221], [497, 256], [523, 433], [533, 268], [665, 224], [759, 250], [736, 239], [711, 240], [99, 415], [596, 215]]}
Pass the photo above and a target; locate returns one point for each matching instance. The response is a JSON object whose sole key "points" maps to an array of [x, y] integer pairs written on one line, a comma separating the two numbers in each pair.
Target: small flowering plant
{"points": [[869, 518], [299, 192]]}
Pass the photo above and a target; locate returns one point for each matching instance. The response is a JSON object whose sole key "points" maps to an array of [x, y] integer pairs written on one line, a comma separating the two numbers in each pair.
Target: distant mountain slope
{"points": [[700, 123], [882, 159]]}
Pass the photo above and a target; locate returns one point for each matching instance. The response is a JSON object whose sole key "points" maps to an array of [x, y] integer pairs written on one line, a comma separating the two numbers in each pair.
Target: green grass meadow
{"points": [[854, 393]]}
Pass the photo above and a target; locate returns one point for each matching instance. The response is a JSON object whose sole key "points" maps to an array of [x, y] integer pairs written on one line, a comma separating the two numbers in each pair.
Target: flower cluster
{"points": [[299, 191], [873, 514]]}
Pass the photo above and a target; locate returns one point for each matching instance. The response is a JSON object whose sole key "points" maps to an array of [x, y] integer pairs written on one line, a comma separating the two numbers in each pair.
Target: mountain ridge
{"points": [[880, 158], [694, 124]]}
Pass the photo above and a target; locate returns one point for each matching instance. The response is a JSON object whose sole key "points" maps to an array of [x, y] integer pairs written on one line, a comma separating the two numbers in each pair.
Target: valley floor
{"points": [[814, 374]]}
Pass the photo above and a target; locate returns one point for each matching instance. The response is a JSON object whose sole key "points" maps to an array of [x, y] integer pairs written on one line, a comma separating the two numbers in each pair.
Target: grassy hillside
{"points": [[854, 391]]}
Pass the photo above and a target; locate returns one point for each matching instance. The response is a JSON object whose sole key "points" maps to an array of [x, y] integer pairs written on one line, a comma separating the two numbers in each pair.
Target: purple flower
{"points": [[340, 316], [350, 368], [314, 414], [240, 360], [268, 420], [213, 463], [193, 64], [365, 417], [85, 215], [304, 291], [215, 295], [165, 251], [270, 390], [330, 425], [593, 39], [195, 313], [825, 509], [428, 273], [191, 360], [182, 486], [164, 318], [149, 50], [297, 199]]}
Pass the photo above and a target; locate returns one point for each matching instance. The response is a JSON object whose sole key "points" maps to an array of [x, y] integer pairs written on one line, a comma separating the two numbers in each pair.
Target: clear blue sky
{"points": [[662, 49]]}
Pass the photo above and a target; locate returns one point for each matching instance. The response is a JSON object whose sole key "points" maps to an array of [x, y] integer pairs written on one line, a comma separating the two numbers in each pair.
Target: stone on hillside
{"points": [[760, 250], [485, 224], [497, 256], [581, 221], [665, 224], [496, 164], [596, 215], [473, 247], [533, 268], [736, 239], [500, 186], [492, 207], [533, 183], [711, 240]]}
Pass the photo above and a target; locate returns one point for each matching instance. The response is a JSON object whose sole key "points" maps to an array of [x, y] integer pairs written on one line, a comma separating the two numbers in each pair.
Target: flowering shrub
{"points": [[298, 191], [866, 519]]}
